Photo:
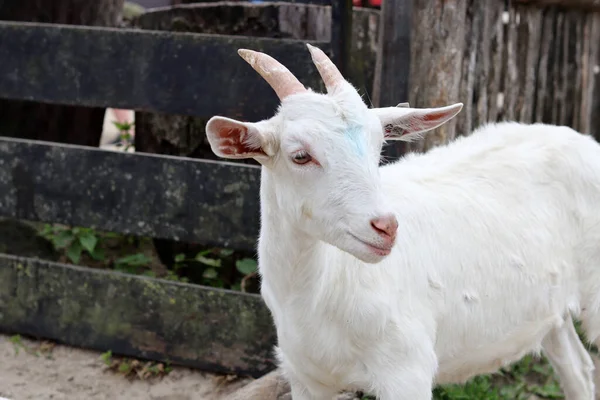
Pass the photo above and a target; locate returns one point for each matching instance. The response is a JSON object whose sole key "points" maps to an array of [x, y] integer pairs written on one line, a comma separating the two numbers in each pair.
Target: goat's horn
{"points": [[329, 73], [283, 82]]}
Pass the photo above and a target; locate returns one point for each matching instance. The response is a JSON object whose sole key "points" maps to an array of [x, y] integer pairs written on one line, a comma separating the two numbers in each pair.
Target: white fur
{"points": [[498, 246]]}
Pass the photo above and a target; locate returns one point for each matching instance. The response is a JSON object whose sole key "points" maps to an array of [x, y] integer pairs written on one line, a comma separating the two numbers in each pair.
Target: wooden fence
{"points": [[541, 64], [177, 198], [524, 60]]}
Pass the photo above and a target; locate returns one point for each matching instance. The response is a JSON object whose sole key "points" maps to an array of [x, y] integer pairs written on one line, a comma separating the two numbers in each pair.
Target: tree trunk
{"points": [[56, 123], [437, 40]]}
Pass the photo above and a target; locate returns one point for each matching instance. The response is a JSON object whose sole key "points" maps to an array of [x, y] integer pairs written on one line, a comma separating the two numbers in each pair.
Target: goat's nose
{"points": [[385, 226]]}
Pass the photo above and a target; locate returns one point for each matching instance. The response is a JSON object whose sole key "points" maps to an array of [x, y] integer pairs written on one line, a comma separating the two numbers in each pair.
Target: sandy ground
{"points": [[68, 373]]}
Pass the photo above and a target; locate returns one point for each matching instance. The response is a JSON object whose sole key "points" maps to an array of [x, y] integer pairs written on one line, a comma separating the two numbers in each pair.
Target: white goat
{"points": [[425, 271]]}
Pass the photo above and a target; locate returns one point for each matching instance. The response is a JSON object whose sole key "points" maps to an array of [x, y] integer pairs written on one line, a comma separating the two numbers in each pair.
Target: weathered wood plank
{"points": [[190, 325], [496, 66], [316, 2], [437, 48], [392, 66], [179, 73], [511, 86], [483, 67], [590, 77], [557, 99], [216, 203], [592, 5], [341, 33], [594, 117], [471, 66], [528, 45], [544, 65]]}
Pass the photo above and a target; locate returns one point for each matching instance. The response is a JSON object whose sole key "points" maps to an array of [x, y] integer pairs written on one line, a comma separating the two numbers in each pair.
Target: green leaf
{"points": [[74, 252], [98, 254], [226, 252], [179, 257], [107, 357], [208, 261], [47, 231], [63, 239], [125, 368], [123, 126], [134, 260], [111, 235], [209, 273], [89, 241], [246, 266]]}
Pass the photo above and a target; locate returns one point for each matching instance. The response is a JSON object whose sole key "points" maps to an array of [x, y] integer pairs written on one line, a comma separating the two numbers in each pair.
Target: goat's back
{"points": [[500, 230]]}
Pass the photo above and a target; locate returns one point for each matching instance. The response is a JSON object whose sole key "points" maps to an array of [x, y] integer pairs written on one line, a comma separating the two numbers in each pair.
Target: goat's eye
{"points": [[301, 157]]}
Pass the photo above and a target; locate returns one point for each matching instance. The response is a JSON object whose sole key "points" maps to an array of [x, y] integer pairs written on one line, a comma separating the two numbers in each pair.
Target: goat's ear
{"points": [[233, 139], [408, 124]]}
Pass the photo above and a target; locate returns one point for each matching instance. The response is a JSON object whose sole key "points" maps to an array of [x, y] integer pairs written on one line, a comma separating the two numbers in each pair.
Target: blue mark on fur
{"points": [[354, 134]]}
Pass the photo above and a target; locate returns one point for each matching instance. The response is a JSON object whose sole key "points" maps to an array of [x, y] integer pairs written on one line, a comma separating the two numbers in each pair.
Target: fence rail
{"points": [[160, 196], [170, 72], [142, 317], [213, 203]]}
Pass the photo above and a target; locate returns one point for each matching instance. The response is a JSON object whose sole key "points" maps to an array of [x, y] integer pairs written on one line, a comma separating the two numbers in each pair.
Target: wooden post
{"points": [[392, 68], [436, 58], [595, 77], [341, 33]]}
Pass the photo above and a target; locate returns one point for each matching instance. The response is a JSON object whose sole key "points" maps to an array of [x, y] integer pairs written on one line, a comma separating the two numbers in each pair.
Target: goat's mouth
{"points": [[380, 250]]}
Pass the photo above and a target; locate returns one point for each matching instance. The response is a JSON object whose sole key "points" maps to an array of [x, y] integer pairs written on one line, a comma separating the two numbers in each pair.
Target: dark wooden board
{"points": [[176, 73], [215, 203], [316, 2], [200, 327], [392, 68], [591, 5], [341, 33]]}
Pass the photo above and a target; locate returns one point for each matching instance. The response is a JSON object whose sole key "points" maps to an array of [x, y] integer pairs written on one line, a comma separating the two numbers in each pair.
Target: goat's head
{"points": [[322, 154]]}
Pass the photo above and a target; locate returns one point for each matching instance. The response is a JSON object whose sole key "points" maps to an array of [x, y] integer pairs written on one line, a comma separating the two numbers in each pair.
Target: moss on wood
{"points": [[190, 325]]}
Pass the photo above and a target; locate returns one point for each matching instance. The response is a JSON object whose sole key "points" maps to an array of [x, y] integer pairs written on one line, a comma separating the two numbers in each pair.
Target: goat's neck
{"points": [[291, 260], [303, 277]]}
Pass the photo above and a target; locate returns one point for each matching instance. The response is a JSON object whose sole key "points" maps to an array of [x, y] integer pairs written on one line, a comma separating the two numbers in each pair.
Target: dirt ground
{"points": [[66, 373]]}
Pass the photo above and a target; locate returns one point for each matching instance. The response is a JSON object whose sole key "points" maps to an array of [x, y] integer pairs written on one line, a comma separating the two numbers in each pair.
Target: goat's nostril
{"points": [[385, 226]]}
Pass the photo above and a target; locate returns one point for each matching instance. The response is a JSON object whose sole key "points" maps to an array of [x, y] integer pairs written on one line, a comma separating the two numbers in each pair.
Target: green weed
{"points": [[132, 368], [74, 241]]}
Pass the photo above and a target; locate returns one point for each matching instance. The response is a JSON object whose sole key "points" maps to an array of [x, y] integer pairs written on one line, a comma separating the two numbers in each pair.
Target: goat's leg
{"points": [[308, 390], [571, 361], [407, 385], [404, 374], [302, 392]]}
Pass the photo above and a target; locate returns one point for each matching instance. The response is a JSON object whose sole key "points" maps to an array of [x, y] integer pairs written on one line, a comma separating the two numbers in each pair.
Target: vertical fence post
{"points": [[341, 33], [392, 68]]}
